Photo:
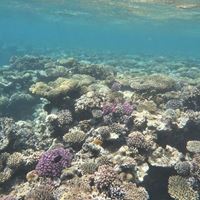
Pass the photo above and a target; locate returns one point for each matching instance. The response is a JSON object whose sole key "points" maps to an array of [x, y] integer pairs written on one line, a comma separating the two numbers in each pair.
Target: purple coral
{"points": [[124, 109], [108, 108], [127, 108], [53, 162], [116, 86]]}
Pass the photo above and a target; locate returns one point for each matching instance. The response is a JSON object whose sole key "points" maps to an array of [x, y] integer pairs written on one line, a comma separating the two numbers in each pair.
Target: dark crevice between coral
{"points": [[59, 103], [21, 110], [179, 138], [84, 115], [156, 182], [114, 145]]}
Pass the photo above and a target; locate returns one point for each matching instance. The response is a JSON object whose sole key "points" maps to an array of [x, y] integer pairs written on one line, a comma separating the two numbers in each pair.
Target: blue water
{"points": [[121, 27]]}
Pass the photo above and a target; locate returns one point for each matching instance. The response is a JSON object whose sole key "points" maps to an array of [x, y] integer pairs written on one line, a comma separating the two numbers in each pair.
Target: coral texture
{"points": [[53, 162]]}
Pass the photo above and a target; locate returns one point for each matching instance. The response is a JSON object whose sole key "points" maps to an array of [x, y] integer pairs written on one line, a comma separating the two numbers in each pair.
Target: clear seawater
{"points": [[152, 27], [110, 29]]}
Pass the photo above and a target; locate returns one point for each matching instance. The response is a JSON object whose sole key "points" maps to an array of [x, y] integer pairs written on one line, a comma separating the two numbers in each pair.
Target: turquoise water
{"points": [[122, 27], [118, 81]]}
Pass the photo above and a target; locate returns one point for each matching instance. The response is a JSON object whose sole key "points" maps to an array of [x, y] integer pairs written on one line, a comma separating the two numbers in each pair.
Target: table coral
{"points": [[58, 88]]}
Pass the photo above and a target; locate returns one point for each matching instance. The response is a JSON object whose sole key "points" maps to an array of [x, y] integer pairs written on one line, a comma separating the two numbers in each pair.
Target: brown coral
{"points": [[138, 140], [58, 88], [15, 160], [105, 177], [44, 192], [74, 137], [179, 189], [134, 192]]}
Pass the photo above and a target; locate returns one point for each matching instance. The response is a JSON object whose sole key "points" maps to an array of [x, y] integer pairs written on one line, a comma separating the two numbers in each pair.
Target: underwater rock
{"points": [[93, 147], [53, 162], [167, 157], [179, 188]]}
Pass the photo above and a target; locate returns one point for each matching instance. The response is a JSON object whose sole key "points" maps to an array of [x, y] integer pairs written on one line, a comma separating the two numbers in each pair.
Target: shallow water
{"points": [[125, 27], [116, 81]]}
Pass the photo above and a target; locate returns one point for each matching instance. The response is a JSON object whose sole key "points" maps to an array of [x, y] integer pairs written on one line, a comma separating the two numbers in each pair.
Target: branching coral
{"points": [[53, 162], [105, 177]]}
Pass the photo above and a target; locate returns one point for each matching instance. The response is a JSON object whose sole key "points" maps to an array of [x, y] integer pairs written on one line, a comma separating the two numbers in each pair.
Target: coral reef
{"points": [[79, 129]]}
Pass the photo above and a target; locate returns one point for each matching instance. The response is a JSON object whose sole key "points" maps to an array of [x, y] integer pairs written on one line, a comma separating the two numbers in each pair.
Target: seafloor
{"points": [[100, 128]]}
